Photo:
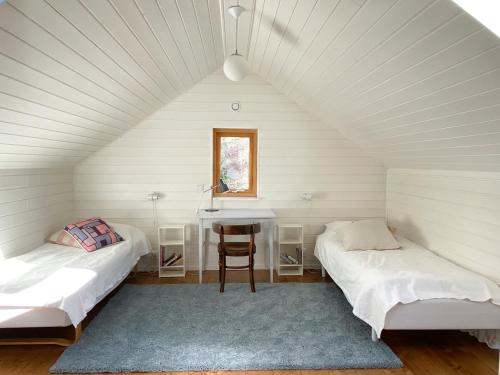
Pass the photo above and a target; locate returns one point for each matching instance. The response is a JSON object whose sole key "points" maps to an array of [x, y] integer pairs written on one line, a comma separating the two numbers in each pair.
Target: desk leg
{"points": [[201, 232], [270, 239], [206, 245]]}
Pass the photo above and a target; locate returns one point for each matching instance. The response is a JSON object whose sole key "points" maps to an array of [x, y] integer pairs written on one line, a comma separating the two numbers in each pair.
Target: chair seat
{"points": [[236, 249]]}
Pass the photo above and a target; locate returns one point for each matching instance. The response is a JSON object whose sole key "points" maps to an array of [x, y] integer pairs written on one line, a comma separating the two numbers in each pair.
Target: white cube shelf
{"points": [[172, 242], [289, 245]]}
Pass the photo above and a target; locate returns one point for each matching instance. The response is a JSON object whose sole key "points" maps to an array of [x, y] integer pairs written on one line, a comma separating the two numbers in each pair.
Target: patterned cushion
{"points": [[61, 237], [93, 234]]}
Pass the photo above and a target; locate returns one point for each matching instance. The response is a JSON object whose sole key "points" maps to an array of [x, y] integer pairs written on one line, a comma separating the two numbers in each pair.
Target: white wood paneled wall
{"points": [[170, 152], [74, 75], [33, 204], [456, 214]]}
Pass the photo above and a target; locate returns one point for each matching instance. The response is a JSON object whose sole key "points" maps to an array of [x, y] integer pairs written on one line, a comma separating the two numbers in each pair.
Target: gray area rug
{"points": [[193, 327]]}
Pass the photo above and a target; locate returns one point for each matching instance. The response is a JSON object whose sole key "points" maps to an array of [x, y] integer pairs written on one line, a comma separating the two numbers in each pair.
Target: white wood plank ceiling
{"points": [[416, 83], [75, 75]]}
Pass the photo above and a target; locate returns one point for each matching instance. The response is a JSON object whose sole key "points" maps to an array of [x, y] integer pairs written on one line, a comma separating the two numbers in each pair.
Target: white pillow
{"points": [[367, 235], [334, 225]]}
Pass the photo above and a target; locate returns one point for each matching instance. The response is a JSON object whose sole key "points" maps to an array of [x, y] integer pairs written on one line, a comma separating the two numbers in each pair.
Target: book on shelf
{"points": [[284, 258], [299, 252], [165, 261], [177, 261], [288, 259], [173, 260]]}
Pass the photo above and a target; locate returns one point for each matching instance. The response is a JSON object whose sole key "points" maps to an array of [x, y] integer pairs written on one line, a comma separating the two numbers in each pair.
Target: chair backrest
{"points": [[236, 230]]}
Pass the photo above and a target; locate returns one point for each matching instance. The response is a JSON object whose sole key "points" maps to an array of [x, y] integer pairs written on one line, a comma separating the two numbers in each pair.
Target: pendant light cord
{"points": [[237, 25]]}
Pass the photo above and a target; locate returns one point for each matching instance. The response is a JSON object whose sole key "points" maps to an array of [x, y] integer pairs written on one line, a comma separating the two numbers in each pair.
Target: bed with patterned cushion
{"points": [[57, 285]]}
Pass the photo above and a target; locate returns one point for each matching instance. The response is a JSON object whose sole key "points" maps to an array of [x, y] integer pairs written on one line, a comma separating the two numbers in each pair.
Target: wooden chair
{"points": [[236, 249]]}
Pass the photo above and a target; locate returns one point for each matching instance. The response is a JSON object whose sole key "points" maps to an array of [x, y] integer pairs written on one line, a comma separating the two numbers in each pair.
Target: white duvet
{"points": [[69, 278], [375, 281]]}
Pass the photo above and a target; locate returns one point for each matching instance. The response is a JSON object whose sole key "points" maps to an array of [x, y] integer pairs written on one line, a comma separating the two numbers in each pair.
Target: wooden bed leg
{"points": [[374, 336], [78, 332], [322, 271]]}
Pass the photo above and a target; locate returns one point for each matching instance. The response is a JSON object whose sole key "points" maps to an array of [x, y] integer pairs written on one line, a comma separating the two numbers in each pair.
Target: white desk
{"points": [[206, 219]]}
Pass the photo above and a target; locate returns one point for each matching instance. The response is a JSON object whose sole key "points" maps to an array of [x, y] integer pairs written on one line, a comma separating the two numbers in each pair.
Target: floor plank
{"points": [[422, 352]]}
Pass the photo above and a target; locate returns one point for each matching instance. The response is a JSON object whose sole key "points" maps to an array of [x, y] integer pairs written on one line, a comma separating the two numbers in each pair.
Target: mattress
{"points": [[55, 277], [374, 282]]}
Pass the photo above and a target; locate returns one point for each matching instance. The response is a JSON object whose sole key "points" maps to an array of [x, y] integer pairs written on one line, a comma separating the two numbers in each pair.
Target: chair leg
{"points": [[220, 267], [250, 269], [223, 281]]}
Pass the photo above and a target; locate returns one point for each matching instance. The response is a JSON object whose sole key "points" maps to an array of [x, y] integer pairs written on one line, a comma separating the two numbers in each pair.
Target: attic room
{"points": [[250, 187]]}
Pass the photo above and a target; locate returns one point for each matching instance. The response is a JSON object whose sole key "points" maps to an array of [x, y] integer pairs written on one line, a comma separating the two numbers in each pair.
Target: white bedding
{"points": [[69, 278], [376, 281]]}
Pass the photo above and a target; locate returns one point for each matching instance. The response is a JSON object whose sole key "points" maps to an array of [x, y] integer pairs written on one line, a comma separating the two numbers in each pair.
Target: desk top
{"points": [[237, 214]]}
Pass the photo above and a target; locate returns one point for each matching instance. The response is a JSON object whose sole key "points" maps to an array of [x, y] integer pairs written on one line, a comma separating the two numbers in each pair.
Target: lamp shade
{"points": [[223, 188], [235, 67]]}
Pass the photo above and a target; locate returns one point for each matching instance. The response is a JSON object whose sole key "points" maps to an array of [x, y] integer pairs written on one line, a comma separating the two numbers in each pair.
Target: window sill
{"points": [[236, 198]]}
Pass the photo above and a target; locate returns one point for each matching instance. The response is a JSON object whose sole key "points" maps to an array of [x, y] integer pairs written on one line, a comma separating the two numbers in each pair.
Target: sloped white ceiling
{"points": [[414, 82], [74, 75]]}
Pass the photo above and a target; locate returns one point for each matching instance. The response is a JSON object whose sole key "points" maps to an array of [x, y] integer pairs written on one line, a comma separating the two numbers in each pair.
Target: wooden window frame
{"points": [[218, 133]]}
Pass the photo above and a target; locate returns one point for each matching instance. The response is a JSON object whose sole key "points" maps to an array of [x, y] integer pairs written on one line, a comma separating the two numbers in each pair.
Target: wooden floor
{"points": [[423, 353]]}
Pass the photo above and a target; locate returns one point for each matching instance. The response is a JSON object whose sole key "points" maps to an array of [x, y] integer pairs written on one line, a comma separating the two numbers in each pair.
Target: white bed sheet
{"points": [[376, 281], [68, 278]]}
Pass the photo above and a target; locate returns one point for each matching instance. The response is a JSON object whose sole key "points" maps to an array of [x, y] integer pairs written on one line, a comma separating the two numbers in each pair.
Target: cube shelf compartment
{"points": [[290, 242], [172, 240]]}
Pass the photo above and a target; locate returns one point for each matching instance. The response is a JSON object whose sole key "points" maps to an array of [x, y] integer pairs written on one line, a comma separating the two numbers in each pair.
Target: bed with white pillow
{"points": [[407, 288], [56, 285]]}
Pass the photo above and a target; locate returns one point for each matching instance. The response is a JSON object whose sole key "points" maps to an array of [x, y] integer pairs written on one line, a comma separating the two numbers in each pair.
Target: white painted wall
{"points": [[33, 204], [454, 213], [170, 152]]}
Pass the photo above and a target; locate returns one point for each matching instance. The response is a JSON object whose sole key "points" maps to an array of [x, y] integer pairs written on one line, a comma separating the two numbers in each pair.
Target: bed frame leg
{"points": [[322, 271], [375, 338]]}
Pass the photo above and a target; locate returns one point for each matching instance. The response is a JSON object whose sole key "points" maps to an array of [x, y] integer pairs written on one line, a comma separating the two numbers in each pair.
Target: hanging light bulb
{"points": [[235, 66]]}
